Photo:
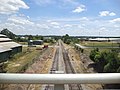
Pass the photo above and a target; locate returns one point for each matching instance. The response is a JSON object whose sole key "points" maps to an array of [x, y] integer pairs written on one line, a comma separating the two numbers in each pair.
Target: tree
{"points": [[75, 40], [30, 37], [37, 37], [8, 33], [93, 53], [97, 57], [18, 39], [66, 39], [107, 68], [105, 61], [113, 62]]}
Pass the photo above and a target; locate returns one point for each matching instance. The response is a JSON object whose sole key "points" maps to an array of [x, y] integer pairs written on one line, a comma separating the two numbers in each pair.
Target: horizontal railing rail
{"points": [[101, 78]]}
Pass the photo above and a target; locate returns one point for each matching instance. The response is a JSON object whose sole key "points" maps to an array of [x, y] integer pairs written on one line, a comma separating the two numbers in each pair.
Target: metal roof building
{"points": [[3, 49], [35, 42], [105, 39], [1, 35], [5, 39], [8, 48], [9, 44]]}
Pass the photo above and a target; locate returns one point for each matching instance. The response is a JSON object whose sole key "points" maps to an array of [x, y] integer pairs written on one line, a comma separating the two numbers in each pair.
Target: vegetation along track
{"points": [[69, 69]]}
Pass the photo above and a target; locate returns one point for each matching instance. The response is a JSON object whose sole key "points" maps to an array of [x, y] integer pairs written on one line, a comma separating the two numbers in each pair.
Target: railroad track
{"points": [[69, 69], [55, 62], [54, 67]]}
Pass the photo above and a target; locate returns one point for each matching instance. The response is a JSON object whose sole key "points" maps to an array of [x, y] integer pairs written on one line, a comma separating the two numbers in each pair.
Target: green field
{"points": [[100, 44]]}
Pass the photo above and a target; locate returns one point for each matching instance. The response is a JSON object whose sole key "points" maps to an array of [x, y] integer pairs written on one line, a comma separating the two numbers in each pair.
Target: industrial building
{"points": [[117, 40], [8, 48], [35, 42]]}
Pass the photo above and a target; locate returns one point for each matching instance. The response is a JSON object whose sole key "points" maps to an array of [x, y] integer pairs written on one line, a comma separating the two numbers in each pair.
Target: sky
{"points": [[60, 17]]}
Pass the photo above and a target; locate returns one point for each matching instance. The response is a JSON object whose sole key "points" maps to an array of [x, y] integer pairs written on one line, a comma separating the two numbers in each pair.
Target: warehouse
{"points": [[8, 48], [3, 36], [16, 48], [4, 54], [5, 40], [35, 42], [104, 39]]}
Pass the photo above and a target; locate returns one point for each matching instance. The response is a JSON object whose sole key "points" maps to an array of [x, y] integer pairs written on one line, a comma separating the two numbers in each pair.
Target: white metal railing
{"points": [[102, 78]]}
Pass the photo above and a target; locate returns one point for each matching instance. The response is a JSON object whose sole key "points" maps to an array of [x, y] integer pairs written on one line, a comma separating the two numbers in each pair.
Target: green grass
{"points": [[100, 44], [23, 43], [20, 61]]}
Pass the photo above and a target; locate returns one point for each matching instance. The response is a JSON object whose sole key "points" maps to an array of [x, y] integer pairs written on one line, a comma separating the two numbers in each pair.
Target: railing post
{"points": [[59, 87]]}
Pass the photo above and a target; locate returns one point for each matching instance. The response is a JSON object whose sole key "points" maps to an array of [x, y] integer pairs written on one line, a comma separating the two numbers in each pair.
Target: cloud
{"points": [[82, 19], [55, 23], [43, 2], [115, 20], [117, 26], [10, 25], [19, 20], [11, 6], [74, 2], [67, 25], [106, 13], [112, 14], [42, 26], [72, 26], [62, 4], [79, 9], [58, 2], [56, 27], [102, 28]]}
